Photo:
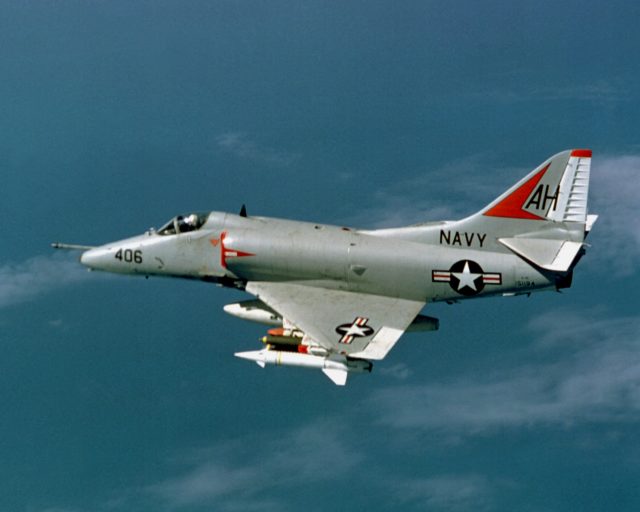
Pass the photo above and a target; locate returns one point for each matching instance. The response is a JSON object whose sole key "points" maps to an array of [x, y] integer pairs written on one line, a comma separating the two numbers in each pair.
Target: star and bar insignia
{"points": [[466, 277], [356, 329]]}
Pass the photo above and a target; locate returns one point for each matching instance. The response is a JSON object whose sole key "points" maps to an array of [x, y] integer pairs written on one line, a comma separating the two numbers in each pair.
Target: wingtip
{"points": [[581, 153]]}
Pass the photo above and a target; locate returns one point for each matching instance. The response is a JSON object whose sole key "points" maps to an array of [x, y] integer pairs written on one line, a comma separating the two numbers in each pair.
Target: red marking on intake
{"points": [[226, 252]]}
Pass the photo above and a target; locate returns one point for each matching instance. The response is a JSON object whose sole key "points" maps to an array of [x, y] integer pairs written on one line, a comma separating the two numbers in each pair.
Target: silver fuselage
{"points": [[410, 263]]}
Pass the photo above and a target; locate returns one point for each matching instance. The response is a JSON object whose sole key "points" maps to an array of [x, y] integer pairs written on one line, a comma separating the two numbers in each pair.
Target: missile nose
{"points": [[253, 355]]}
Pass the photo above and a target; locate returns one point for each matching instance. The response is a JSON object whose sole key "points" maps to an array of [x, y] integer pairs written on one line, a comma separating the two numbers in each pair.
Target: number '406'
{"points": [[129, 255]]}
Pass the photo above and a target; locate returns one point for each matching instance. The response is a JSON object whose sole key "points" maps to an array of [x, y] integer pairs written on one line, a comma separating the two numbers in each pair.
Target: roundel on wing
{"points": [[356, 329]]}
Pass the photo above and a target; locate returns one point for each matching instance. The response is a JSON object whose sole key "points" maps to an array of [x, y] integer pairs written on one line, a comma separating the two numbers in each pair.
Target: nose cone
{"points": [[95, 258]]}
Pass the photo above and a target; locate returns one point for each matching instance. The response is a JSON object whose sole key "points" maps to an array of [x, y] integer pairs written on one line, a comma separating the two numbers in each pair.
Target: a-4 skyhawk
{"points": [[337, 298]]}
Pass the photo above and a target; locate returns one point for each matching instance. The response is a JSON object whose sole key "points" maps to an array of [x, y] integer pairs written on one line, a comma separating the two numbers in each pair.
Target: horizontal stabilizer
{"points": [[553, 255], [591, 220]]}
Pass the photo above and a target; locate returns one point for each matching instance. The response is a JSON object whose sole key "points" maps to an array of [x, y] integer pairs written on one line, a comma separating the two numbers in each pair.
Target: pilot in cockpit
{"points": [[188, 223], [184, 224], [192, 220]]}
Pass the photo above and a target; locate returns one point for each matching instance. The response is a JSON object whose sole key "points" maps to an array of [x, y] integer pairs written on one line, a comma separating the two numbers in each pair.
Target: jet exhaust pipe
{"points": [[337, 368]]}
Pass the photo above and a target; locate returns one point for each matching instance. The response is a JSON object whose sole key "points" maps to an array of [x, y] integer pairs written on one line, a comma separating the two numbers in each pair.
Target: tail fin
{"points": [[557, 191], [543, 218]]}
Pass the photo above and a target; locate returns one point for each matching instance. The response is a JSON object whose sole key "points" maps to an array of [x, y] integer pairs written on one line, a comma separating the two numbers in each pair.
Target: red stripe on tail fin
{"points": [[511, 206]]}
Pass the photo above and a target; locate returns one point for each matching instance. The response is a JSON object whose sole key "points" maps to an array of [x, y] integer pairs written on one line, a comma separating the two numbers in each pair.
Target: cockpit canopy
{"points": [[184, 223]]}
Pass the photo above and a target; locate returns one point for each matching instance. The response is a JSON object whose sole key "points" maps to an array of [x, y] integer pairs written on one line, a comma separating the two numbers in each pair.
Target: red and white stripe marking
{"points": [[358, 322], [492, 278], [441, 276]]}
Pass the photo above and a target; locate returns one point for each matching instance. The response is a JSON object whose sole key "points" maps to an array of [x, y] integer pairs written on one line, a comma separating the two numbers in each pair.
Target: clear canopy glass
{"points": [[184, 224]]}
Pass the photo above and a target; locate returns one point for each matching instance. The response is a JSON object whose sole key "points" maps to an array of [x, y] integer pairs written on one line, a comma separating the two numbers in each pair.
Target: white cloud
{"points": [[238, 475], [312, 453], [237, 144], [21, 282], [598, 92], [613, 195], [591, 373], [398, 371], [205, 482], [452, 191], [446, 492]]}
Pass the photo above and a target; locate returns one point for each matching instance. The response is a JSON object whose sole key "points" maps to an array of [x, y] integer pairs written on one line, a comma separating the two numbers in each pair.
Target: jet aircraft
{"points": [[337, 298]]}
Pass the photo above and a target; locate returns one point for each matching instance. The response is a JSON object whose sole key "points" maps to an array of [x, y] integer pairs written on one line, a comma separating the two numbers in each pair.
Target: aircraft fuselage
{"points": [[233, 250]]}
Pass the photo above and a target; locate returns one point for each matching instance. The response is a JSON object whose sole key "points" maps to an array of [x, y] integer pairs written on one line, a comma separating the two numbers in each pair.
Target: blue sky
{"points": [[122, 394]]}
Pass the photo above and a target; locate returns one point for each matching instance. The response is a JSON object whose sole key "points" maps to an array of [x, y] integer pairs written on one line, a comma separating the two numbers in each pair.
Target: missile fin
{"points": [[339, 377]]}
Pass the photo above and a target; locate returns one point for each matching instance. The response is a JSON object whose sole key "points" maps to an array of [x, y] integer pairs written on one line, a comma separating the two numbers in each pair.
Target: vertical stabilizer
{"points": [[544, 217], [557, 191]]}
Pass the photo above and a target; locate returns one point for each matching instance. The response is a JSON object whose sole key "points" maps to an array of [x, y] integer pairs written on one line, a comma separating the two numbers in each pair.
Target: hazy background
{"points": [[122, 394]]}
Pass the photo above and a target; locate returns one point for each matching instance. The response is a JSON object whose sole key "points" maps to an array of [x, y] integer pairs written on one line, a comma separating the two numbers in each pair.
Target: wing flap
{"points": [[381, 344]]}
